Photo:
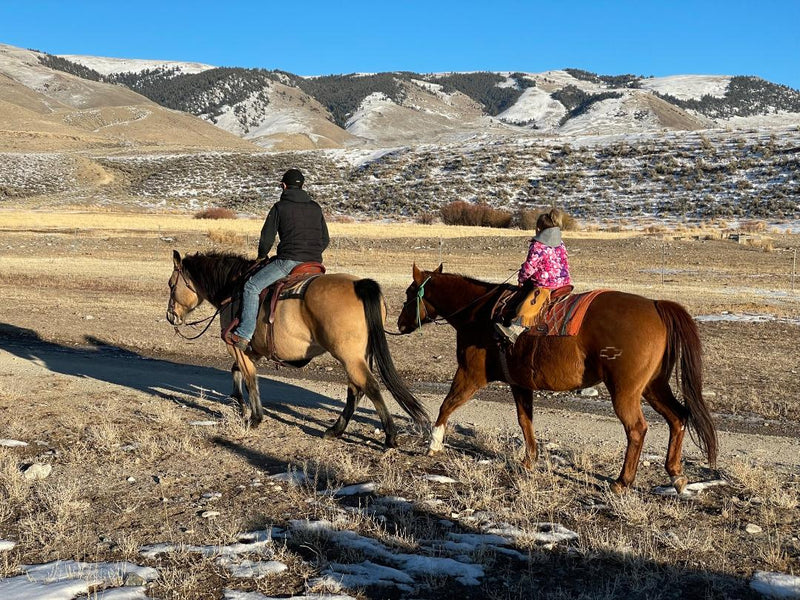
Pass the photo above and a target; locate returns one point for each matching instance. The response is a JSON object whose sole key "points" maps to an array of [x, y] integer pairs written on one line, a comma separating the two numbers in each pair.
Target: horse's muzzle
{"points": [[173, 319]]}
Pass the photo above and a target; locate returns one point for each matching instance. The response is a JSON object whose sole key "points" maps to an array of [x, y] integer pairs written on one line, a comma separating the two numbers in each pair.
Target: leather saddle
{"points": [[291, 286], [508, 303]]}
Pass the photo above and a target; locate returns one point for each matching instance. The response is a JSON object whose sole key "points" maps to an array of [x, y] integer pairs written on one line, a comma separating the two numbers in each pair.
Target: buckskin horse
{"points": [[628, 342], [337, 313]]}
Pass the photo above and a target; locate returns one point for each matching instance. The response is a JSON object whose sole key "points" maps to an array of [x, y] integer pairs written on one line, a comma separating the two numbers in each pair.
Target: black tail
{"points": [[369, 292], [683, 340]]}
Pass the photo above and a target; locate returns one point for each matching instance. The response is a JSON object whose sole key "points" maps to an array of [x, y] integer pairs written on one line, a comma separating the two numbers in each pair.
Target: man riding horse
{"points": [[299, 223]]}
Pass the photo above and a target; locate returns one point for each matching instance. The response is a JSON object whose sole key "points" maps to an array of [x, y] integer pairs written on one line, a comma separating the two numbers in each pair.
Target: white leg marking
{"points": [[437, 437]]}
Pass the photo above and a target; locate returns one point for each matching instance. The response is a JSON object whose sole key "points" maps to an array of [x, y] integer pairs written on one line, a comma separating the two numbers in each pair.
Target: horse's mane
{"points": [[216, 272], [478, 282]]}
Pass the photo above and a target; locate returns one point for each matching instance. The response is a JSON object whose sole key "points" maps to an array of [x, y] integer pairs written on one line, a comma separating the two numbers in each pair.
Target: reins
{"points": [[421, 293], [210, 319], [193, 323]]}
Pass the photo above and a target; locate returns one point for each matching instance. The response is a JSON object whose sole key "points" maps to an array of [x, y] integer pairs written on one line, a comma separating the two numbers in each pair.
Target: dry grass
{"points": [[89, 509], [227, 238]]}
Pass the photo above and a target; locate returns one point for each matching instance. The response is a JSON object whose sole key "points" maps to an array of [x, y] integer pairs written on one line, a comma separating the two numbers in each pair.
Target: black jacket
{"points": [[299, 223]]}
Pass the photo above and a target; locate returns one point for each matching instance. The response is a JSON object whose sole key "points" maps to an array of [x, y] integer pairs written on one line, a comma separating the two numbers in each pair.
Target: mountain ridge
{"points": [[404, 108]]}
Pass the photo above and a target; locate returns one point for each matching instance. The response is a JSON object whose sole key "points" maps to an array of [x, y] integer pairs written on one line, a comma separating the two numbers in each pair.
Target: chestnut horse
{"points": [[628, 342], [338, 313]]}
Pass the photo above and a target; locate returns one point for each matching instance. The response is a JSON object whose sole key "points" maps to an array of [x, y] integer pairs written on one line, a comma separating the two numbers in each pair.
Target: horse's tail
{"points": [[369, 292], [684, 340]]}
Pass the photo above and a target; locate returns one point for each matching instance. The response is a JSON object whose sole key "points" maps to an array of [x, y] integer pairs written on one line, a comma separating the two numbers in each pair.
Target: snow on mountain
{"points": [[557, 79], [370, 107], [615, 115], [535, 105], [688, 87], [108, 66]]}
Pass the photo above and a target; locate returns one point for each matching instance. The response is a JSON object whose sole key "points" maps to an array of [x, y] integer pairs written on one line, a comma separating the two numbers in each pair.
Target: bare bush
{"points": [[215, 213], [427, 218], [752, 226]]}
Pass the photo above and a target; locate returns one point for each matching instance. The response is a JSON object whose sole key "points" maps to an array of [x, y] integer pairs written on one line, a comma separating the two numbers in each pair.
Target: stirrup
{"points": [[241, 343], [511, 332]]}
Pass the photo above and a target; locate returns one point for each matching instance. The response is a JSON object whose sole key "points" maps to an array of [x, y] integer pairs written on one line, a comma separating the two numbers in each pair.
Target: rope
{"points": [[194, 323]]}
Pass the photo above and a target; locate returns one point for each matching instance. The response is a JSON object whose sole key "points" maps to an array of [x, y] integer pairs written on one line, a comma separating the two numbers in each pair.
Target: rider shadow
{"points": [[197, 387], [566, 572]]}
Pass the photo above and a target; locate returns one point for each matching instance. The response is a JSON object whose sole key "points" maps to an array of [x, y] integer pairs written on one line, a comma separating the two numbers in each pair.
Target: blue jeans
{"points": [[275, 270]]}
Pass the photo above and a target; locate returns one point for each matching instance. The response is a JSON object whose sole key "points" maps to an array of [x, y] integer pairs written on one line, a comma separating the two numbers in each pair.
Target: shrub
{"points": [[427, 218], [526, 218], [765, 244], [466, 213], [752, 226], [340, 219], [215, 213]]}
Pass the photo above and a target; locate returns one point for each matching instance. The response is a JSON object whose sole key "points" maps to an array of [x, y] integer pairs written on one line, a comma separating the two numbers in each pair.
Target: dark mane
{"points": [[216, 272], [479, 282]]}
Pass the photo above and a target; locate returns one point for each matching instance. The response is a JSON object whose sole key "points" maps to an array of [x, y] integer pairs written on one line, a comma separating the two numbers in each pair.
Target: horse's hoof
{"points": [[391, 443], [433, 451], [618, 488], [679, 482], [330, 434]]}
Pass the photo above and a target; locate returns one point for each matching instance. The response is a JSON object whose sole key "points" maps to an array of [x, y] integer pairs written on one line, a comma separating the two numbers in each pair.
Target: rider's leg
{"points": [[527, 314], [252, 288]]}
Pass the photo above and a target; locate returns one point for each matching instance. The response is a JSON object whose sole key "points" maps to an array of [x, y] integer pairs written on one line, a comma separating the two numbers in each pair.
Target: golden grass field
{"points": [[83, 289]]}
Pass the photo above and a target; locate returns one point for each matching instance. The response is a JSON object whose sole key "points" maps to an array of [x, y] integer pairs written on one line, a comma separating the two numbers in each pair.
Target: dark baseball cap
{"points": [[293, 177]]}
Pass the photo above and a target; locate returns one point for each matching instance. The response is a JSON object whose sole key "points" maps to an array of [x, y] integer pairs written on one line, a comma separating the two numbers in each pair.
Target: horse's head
{"points": [[416, 309], [183, 296]]}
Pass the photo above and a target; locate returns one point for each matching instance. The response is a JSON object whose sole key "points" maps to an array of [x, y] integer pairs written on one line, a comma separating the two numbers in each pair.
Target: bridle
{"points": [[420, 301], [420, 296], [171, 306]]}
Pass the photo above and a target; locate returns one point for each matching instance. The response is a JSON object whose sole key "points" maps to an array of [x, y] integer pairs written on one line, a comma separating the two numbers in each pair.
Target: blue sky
{"points": [[316, 38]]}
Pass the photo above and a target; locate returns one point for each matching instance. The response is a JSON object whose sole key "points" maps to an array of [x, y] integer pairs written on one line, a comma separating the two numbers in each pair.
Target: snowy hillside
{"points": [[110, 66], [281, 111]]}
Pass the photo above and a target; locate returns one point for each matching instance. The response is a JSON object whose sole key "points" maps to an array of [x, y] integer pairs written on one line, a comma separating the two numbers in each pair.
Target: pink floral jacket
{"points": [[546, 266]]}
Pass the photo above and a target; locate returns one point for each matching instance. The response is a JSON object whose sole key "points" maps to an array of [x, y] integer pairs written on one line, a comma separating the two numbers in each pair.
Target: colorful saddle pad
{"points": [[564, 316]]}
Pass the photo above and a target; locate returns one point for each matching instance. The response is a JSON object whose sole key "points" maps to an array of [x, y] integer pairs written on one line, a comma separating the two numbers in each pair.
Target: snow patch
{"points": [[106, 65], [537, 105], [692, 489], [689, 87], [66, 579], [776, 585]]}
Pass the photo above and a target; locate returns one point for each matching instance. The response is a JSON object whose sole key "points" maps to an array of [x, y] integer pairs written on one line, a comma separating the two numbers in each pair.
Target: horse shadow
{"points": [[198, 387], [533, 572], [564, 573]]}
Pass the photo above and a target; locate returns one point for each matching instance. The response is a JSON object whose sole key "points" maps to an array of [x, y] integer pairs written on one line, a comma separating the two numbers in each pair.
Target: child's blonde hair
{"points": [[553, 218]]}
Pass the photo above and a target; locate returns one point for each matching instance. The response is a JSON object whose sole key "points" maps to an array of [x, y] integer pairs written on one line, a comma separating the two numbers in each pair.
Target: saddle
{"points": [[561, 316], [291, 286]]}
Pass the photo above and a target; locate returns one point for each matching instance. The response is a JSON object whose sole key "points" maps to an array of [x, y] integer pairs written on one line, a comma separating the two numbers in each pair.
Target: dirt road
{"points": [[106, 370]]}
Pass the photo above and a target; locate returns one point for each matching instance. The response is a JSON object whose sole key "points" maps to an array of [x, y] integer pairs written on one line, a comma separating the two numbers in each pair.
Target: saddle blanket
{"points": [[564, 316]]}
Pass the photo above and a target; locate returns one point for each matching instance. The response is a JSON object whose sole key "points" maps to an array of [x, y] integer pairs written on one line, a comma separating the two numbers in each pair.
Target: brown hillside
{"points": [[46, 110]]}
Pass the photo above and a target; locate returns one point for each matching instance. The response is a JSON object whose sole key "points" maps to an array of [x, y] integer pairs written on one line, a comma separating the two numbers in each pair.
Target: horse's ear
{"points": [[416, 274], [176, 259], [440, 268]]}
